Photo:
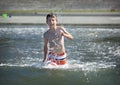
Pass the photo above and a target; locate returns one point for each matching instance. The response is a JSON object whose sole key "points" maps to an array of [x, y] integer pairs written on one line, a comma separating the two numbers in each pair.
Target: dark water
{"points": [[93, 56]]}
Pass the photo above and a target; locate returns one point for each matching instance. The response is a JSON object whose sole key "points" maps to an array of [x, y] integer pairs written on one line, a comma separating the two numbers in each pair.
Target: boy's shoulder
{"points": [[46, 33], [61, 27]]}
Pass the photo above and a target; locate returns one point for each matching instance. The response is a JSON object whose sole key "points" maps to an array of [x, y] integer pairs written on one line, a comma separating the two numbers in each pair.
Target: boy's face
{"points": [[51, 21]]}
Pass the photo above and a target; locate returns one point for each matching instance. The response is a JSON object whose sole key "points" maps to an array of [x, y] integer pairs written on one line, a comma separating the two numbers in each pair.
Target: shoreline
{"points": [[72, 18]]}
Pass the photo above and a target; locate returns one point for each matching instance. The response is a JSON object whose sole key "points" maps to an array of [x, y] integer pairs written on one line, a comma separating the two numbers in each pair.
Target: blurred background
{"points": [[59, 5]]}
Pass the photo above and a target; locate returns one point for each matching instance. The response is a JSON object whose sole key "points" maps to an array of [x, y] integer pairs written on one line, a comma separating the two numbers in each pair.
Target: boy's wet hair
{"points": [[52, 16]]}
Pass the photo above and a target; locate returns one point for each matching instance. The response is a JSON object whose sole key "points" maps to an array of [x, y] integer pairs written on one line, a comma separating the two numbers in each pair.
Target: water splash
{"points": [[71, 65]]}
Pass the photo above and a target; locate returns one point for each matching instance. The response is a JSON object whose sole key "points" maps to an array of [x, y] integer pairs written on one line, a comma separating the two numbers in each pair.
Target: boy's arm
{"points": [[45, 49], [66, 34]]}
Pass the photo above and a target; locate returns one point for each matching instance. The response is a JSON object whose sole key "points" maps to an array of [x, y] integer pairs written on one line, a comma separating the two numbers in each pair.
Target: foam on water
{"points": [[71, 65], [21, 33]]}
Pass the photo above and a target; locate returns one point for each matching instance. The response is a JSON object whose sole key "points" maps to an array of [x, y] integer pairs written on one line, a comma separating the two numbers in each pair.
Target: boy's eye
{"points": [[53, 20]]}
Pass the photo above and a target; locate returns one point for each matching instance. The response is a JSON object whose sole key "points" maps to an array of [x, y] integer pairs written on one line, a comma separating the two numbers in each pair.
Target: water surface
{"points": [[93, 56]]}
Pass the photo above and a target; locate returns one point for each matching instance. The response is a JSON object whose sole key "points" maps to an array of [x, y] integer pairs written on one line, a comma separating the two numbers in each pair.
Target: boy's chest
{"points": [[56, 36]]}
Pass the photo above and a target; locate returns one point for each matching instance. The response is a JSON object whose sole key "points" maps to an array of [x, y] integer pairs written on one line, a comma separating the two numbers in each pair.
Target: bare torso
{"points": [[56, 40]]}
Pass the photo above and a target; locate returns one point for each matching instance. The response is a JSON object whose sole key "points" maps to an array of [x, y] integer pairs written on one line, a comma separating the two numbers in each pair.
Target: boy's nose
{"points": [[51, 21]]}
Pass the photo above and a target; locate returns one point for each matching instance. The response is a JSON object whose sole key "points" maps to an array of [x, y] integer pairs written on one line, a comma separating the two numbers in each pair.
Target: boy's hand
{"points": [[44, 60]]}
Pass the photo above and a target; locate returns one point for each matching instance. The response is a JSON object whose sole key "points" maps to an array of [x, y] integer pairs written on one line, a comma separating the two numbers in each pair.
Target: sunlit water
{"points": [[93, 56]]}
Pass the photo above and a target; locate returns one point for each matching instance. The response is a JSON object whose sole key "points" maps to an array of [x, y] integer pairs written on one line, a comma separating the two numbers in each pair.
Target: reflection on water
{"points": [[91, 48]]}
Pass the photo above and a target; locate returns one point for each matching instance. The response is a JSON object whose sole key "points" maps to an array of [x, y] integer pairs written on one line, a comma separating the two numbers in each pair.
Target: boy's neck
{"points": [[53, 28]]}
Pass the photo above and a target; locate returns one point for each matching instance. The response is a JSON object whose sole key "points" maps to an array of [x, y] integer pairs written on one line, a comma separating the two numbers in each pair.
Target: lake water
{"points": [[93, 56]]}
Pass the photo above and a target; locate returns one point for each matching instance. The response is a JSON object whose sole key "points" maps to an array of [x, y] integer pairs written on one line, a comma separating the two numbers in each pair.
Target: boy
{"points": [[54, 36]]}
